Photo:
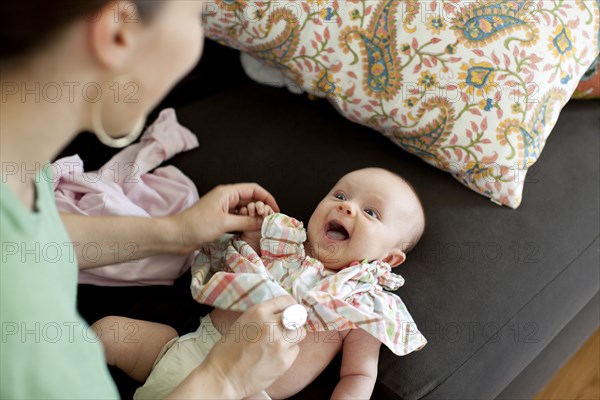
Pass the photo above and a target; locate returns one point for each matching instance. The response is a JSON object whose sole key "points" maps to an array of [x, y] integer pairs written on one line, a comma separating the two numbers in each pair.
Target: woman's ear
{"points": [[395, 258], [112, 33]]}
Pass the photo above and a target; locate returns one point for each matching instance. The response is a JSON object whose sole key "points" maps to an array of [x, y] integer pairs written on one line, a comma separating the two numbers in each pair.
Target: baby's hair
{"points": [[417, 237], [407, 247]]}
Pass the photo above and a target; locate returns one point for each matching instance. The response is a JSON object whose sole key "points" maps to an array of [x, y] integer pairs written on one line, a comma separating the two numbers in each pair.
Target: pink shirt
{"points": [[125, 186]]}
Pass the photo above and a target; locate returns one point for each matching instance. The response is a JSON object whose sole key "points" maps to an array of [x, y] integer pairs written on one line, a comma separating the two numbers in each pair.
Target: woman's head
{"points": [[28, 25], [120, 57]]}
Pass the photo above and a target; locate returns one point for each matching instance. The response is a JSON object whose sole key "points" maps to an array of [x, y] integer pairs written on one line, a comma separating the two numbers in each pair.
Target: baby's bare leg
{"points": [[132, 345]]}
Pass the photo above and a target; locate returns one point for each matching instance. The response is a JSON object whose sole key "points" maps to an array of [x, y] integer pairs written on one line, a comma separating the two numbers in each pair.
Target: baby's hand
{"points": [[256, 209]]}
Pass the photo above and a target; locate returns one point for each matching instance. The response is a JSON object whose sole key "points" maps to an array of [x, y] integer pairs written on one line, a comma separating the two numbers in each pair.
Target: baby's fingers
{"points": [[256, 209], [260, 208], [263, 210], [243, 211]]}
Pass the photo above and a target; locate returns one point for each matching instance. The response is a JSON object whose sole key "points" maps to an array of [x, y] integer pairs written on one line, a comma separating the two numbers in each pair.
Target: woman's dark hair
{"points": [[26, 25]]}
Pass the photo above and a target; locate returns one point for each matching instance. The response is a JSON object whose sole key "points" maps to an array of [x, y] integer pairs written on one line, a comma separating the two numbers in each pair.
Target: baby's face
{"points": [[368, 214]]}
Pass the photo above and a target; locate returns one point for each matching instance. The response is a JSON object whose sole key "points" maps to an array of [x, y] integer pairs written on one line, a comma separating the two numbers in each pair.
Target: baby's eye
{"points": [[340, 196], [372, 213]]}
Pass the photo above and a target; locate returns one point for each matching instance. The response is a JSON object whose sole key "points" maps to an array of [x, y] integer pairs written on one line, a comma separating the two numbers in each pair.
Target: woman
{"points": [[69, 66]]}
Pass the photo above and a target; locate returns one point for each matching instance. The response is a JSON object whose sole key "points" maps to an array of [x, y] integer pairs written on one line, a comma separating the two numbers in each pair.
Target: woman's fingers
{"points": [[244, 193], [242, 223], [253, 364], [272, 311], [224, 209]]}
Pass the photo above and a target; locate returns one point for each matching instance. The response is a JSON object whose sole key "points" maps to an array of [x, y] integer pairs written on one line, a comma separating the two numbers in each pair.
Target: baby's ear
{"points": [[395, 257]]}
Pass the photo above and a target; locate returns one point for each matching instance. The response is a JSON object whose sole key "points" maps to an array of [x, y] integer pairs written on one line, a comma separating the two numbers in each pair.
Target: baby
{"points": [[336, 270]]}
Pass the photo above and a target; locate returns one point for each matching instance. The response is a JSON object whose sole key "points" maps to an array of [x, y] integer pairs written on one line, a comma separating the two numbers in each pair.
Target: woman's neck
{"points": [[37, 119]]}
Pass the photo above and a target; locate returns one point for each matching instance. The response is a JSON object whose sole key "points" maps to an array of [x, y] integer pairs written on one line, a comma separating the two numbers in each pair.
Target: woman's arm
{"points": [[360, 355], [102, 241]]}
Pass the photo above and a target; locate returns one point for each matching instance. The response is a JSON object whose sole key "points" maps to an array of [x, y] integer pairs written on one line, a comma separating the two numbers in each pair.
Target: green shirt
{"points": [[47, 350]]}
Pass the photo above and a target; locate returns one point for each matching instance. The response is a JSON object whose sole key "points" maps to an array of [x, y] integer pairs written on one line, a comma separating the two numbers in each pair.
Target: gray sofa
{"points": [[503, 296]]}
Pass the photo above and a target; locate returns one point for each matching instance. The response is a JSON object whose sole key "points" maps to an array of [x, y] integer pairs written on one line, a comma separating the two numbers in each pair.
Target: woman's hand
{"points": [[238, 367], [215, 214], [122, 239]]}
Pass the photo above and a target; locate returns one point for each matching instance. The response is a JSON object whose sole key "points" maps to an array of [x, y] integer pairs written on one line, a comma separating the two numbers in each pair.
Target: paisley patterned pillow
{"points": [[471, 87]]}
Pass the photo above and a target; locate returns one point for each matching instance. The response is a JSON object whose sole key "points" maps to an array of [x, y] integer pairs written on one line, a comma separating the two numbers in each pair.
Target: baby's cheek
{"points": [[379, 246], [361, 250]]}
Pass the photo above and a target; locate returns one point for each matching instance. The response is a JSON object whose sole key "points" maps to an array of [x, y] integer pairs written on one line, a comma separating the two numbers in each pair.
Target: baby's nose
{"points": [[346, 208]]}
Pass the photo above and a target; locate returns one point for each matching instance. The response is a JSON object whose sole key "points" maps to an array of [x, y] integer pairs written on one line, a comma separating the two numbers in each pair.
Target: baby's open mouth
{"points": [[336, 231]]}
